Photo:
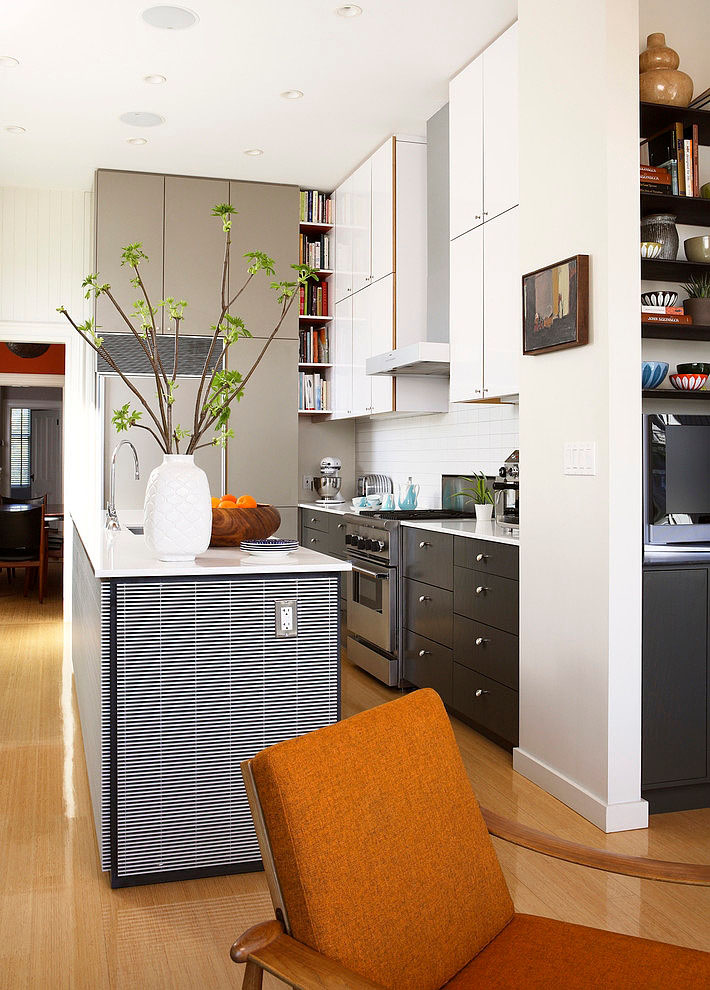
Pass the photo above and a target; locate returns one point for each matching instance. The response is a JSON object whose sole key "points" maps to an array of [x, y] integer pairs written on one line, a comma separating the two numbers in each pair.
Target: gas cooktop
{"points": [[413, 514]]}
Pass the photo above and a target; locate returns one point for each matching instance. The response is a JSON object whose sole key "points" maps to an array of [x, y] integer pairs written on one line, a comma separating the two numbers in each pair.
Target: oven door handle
{"points": [[384, 576]]}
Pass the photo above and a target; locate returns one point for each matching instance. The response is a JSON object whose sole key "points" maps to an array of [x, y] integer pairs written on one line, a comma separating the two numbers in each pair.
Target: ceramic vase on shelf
{"points": [[177, 514], [484, 513], [660, 79], [661, 228]]}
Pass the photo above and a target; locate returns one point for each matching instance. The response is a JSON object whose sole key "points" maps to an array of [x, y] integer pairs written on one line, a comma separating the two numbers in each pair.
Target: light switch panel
{"points": [[580, 457]]}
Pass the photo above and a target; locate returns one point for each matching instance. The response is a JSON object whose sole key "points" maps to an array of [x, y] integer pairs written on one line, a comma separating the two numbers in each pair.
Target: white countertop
{"points": [[339, 509], [125, 554]]}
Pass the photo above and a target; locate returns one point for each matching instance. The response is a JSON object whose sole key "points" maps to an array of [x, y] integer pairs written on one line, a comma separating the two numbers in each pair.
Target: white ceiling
{"points": [[82, 64]]}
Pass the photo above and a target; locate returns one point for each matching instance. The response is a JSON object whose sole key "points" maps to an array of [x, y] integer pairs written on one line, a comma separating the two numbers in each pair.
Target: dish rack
{"points": [[371, 484]]}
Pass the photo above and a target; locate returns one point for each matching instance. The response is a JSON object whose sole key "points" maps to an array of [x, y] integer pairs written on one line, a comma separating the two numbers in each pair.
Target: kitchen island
{"points": [[181, 675]]}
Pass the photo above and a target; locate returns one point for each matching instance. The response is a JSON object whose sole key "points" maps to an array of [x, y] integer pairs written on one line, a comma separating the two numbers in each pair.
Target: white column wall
{"points": [[580, 628]]}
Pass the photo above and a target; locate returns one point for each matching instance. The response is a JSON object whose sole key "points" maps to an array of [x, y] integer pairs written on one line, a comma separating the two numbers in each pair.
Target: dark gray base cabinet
{"points": [[460, 603], [325, 532], [675, 754]]}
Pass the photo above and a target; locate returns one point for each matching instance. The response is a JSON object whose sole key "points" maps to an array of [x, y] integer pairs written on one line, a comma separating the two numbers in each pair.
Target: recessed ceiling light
{"points": [[254, 152], [170, 18], [155, 79], [292, 94], [8, 62], [138, 140], [140, 118], [349, 10], [15, 129]]}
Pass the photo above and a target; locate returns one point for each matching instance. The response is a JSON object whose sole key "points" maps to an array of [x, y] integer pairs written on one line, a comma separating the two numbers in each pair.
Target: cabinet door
{"points": [[362, 335], [465, 149], [343, 279], [380, 311], [674, 692], [266, 220], [502, 334], [500, 124], [342, 350], [129, 208], [194, 249], [362, 217], [466, 317], [382, 235]]}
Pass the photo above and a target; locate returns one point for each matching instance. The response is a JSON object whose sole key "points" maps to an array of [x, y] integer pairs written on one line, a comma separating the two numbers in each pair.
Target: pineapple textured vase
{"points": [[177, 515]]}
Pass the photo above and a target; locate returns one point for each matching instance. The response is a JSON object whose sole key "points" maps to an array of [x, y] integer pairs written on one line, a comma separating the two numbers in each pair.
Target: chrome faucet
{"points": [[112, 522]]}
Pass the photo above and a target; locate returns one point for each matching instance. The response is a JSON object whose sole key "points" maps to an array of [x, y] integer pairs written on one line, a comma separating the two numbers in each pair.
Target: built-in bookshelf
{"points": [[315, 245]]}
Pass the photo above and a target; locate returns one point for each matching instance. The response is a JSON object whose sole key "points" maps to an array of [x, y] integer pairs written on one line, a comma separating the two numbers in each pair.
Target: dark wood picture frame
{"points": [[572, 332]]}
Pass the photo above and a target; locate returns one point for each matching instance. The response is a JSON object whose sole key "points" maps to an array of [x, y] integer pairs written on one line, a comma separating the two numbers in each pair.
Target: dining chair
{"points": [[34, 500], [23, 542], [383, 875]]}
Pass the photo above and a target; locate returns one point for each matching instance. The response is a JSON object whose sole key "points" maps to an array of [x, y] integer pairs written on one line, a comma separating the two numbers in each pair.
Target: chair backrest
{"points": [[37, 500], [21, 528], [382, 857]]}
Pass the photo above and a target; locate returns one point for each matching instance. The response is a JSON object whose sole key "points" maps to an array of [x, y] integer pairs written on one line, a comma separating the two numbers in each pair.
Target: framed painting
{"points": [[556, 306]]}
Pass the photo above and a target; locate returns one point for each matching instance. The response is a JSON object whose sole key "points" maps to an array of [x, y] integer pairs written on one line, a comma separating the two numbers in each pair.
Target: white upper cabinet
{"points": [[500, 124], [502, 306], [465, 149], [342, 357], [381, 338], [361, 183], [466, 317], [343, 239], [382, 212]]}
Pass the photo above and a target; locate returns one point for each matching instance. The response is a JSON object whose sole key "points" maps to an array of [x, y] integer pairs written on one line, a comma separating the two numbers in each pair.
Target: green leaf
{"points": [[91, 284], [180, 434], [224, 211], [132, 255], [260, 262], [124, 418], [89, 329]]}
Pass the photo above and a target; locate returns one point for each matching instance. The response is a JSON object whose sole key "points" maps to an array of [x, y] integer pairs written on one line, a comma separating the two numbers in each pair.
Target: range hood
{"points": [[423, 358]]}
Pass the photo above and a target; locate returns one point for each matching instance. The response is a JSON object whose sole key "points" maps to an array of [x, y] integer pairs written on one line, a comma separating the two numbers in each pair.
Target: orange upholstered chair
{"points": [[383, 874]]}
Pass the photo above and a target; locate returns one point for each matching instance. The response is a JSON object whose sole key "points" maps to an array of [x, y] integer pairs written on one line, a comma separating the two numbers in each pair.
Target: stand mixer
{"points": [[328, 483]]}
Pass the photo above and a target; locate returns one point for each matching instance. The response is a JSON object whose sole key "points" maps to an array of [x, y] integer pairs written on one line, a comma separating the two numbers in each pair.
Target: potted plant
{"points": [[697, 304], [480, 494], [178, 511]]}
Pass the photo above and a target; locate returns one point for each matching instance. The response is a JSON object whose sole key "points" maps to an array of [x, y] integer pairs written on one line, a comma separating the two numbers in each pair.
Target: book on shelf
{"points": [[658, 318], [316, 207], [664, 310], [314, 251], [314, 346], [313, 299], [674, 150], [312, 393]]}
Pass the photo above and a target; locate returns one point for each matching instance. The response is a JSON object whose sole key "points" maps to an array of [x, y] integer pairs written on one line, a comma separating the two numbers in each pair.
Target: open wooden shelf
{"points": [[671, 271], [675, 331], [321, 412], [314, 364], [656, 117], [307, 225], [693, 210], [314, 319], [674, 393]]}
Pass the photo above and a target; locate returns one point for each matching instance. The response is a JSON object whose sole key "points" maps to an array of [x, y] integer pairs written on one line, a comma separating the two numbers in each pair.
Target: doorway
{"points": [[32, 443]]}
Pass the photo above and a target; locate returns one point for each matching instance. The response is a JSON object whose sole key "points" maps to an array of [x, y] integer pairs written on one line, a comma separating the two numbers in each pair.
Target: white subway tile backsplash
{"points": [[466, 439]]}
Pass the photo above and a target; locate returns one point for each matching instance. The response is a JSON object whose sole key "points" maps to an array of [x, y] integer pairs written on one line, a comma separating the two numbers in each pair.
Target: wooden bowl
{"points": [[231, 526]]}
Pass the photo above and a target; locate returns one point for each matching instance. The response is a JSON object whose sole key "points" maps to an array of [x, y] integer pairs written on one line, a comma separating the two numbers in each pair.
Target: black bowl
{"points": [[693, 368]]}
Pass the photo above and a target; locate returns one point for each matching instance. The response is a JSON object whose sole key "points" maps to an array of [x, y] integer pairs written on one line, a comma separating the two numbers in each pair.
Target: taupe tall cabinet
{"points": [[171, 216]]}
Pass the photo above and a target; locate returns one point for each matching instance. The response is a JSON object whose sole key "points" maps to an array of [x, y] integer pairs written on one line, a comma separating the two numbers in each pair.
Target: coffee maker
{"points": [[506, 493], [329, 481]]}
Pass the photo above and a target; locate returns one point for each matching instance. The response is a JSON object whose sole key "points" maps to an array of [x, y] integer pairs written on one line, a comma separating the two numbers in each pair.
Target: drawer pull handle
{"points": [[341, 525], [480, 692], [424, 544], [481, 589], [480, 641], [424, 598], [313, 519], [425, 653], [481, 556], [313, 539]]}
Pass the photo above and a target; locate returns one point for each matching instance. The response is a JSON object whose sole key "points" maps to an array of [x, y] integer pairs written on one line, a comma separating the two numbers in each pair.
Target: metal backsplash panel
{"points": [[452, 483]]}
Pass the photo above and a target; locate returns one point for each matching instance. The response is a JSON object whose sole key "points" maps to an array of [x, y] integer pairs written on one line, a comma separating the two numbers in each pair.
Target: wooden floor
{"points": [[62, 926]]}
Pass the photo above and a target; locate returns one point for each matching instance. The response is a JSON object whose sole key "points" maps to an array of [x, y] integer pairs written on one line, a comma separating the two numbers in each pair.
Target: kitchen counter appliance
{"points": [[328, 483], [506, 493], [374, 484]]}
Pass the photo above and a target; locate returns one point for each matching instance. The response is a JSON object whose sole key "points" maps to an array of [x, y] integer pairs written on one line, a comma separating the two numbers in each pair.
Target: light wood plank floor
{"points": [[62, 926]]}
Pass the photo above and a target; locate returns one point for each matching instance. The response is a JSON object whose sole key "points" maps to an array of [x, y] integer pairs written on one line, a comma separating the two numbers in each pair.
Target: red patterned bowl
{"points": [[688, 383]]}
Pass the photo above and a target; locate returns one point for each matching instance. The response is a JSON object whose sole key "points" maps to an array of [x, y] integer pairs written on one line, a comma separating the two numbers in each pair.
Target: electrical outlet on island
{"points": [[286, 618]]}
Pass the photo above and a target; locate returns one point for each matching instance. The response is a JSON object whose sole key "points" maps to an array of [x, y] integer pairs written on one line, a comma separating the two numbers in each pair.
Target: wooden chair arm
{"points": [[597, 859], [267, 947]]}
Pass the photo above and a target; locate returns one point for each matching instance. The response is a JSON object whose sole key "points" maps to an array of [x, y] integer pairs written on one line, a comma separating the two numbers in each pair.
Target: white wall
{"points": [[686, 25], [467, 438], [580, 573]]}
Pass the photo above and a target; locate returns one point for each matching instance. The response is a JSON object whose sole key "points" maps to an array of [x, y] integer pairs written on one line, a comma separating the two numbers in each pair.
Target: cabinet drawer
{"points": [[428, 611], [314, 539], [427, 664], [485, 555], [486, 703], [486, 649], [336, 533], [316, 520], [429, 557], [486, 598]]}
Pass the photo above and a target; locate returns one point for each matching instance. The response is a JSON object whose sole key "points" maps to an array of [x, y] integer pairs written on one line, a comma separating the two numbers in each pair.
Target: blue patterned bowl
{"points": [[653, 373]]}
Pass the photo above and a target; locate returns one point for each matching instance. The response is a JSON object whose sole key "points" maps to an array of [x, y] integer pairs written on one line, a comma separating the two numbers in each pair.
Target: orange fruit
{"points": [[215, 502], [229, 498], [246, 502], [226, 504]]}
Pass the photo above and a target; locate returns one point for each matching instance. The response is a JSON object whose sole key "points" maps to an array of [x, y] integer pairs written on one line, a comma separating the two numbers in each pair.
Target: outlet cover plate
{"points": [[286, 616]]}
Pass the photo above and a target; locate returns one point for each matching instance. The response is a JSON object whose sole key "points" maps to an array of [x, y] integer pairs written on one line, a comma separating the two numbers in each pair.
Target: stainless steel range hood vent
{"points": [[423, 358]]}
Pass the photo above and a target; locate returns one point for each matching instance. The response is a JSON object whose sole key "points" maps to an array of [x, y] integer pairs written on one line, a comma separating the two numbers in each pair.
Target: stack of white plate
{"points": [[269, 548]]}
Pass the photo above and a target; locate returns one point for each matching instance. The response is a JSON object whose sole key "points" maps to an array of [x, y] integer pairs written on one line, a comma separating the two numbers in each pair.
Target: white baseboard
{"points": [[607, 817]]}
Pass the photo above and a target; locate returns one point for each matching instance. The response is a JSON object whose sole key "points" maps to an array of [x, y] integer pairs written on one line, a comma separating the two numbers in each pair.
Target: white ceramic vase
{"points": [[484, 513], [177, 514]]}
